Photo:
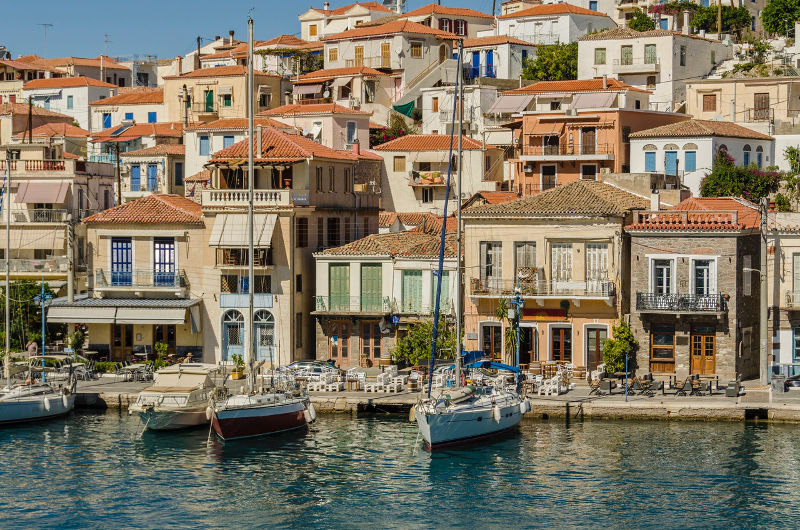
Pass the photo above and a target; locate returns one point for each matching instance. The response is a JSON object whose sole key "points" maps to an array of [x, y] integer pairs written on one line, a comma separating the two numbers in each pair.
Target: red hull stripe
{"points": [[245, 427]]}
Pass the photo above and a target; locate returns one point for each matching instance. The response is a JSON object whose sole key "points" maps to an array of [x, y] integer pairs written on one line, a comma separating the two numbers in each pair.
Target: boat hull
{"points": [[34, 408], [246, 422], [446, 429], [168, 420]]}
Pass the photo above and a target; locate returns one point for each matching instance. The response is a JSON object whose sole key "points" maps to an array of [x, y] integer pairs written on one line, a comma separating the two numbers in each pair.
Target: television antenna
{"points": [[45, 25]]}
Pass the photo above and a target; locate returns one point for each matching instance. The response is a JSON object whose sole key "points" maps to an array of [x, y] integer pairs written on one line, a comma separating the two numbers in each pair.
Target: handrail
{"points": [[680, 302], [140, 278]]}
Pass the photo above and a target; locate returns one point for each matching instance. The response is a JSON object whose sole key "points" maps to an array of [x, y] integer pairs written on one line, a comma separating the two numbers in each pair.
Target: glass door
{"points": [[594, 346], [163, 261], [561, 342], [492, 341], [121, 261], [165, 333], [703, 350]]}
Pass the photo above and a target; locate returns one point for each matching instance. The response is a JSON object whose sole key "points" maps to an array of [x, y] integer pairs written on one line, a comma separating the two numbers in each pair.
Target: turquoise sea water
{"points": [[90, 470]]}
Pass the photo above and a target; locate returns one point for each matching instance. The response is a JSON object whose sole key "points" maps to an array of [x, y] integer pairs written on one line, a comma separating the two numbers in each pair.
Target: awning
{"points": [[42, 191], [593, 100], [230, 230], [306, 90], [544, 128], [265, 89], [224, 90], [511, 103], [341, 81], [88, 315], [151, 315], [35, 238]]}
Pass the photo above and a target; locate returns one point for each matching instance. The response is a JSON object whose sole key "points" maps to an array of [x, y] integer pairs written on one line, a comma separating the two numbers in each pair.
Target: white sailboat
{"points": [[37, 401], [463, 414], [264, 411]]}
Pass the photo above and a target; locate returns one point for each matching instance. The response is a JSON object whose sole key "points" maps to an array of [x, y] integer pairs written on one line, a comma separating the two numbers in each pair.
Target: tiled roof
{"points": [[218, 71], [84, 301], [387, 219], [21, 65], [66, 82], [52, 130], [285, 41], [435, 9], [329, 73], [22, 108], [490, 197], [200, 176], [390, 28], [316, 108], [369, 155], [237, 123], [137, 130], [575, 85], [151, 209], [494, 40], [277, 145], [106, 62], [397, 244], [703, 214], [137, 96], [691, 128], [158, 150], [372, 6], [624, 32], [553, 9], [427, 142], [581, 197], [434, 225]]}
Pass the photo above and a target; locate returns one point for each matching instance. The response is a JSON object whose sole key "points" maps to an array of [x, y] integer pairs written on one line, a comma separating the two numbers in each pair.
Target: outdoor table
{"points": [[528, 387], [352, 384], [711, 378], [671, 377]]}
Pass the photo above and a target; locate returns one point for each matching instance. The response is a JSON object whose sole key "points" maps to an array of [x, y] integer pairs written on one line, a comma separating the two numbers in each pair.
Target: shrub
{"points": [[622, 346], [105, 367]]}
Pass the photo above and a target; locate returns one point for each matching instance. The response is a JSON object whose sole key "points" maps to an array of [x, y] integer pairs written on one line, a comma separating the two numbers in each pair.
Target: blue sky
{"points": [[165, 28]]}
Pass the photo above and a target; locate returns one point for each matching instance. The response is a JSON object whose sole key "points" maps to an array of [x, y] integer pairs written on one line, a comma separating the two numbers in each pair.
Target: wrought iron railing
{"points": [[352, 304], [679, 302], [792, 299], [39, 215], [238, 257], [139, 278], [568, 150], [507, 287], [760, 114]]}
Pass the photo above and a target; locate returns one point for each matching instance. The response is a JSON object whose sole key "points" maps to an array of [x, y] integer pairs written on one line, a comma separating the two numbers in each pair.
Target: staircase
{"points": [[431, 75]]}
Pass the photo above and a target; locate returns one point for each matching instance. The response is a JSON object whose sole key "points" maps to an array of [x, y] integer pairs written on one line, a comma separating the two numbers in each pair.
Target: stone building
{"points": [[694, 287]]}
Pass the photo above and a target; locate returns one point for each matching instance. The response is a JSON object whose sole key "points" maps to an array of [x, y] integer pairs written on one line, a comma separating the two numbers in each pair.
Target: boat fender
{"points": [[524, 406], [46, 404], [65, 400], [209, 413], [313, 412], [412, 414], [307, 415], [496, 413]]}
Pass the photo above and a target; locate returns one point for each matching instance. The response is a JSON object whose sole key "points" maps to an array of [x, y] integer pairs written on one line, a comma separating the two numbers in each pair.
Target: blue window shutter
{"points": [[121, 260], [227, 141], [47, 104], [106, 120], [746, 158], [664, 23], [136, 177], [179, 173], [151, 117], [524, 54], [650, 161], [69, 102], [205, 149], [671, 162], [152, 177], [593, 5], [129, 115], [759, 160], [691, 161]]}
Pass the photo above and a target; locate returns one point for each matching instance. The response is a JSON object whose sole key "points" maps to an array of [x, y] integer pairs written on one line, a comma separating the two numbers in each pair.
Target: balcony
{"points": [[38, 215], [239, 300], [413, 306], [352, 304], [681, 303], [635, 66], [56, 266], [238, 257], [371, 62], [539, 38], [792, 300], [238, 198], [541, 290], [552, 153], [759, 114], [446, 114], [428, 179], [105, 158], [204, 108], [139, 279]]}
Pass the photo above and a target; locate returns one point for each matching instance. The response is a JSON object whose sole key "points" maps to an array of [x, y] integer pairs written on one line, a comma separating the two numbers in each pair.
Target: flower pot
{"points": [[237, 374]]}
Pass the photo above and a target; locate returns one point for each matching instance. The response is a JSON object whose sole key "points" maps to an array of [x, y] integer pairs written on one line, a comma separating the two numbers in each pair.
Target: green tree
{"points": [[501, 312], [416, 345], [398, 126], [729, 180], [734, 19], [557, 62], [26, 316], [758, 50], [779, 15], [617, 349], [641, 21]]}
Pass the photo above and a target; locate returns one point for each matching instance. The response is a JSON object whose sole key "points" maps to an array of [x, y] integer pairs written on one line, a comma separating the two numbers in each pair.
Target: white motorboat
{"points": [[178, 398], [38, 401]]}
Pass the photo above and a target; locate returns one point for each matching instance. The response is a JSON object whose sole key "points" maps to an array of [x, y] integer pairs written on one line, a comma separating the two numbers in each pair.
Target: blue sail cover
{"points": [[489, 365], [471, 356]]}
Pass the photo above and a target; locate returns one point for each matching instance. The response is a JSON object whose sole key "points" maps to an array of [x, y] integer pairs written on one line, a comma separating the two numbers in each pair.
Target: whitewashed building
{"points": [[551, 23], [317, 23], [496, 56], [461, 21], [69, 95], [142, 105]]}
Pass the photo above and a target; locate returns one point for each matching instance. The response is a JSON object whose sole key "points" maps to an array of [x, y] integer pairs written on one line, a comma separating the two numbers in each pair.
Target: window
{"points": [[525, 256], [747, 265], [759, 156], [358, 55], [348, 182], [651, 81], [320, 233], [369, 91], [298, 283], [561, 262], [179, 173], [164, 261], [650, 56], [227, 100], [427, 195], [709, 103], [491, 255], [399, 164], [626, 132], [227, 141], [662, 347], [319, 179], [593, 5], [347, 231], [752, 23], [626, 55], [351, 132], [746, 153], [416, 49], [333, 54], [555, 105], [589, 171], [412, 291], [121, 261], [701, 276], [339, 286], [371, 286], [298, 330], [302, 232], [331, 180], [599, 56], [205, 148], [69, 102], [596, 265], [690, 162], [371, 339], [524, 56], [312, 30], [339, 339], [128, 115], [683, 55], [136, 177], [434, 104], [334, 229], [151, 117], [106, 119], [444, 24], [662, 276]]}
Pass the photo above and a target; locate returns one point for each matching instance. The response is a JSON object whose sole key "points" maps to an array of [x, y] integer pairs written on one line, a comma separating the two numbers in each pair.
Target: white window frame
{"points": [[596, 169], [713, 281], [651, 274]]}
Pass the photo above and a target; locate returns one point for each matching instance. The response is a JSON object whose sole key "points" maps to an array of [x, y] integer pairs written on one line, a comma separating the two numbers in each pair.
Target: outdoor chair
{"points": [[594, 386], [606, 386], [681, 387], [732, 390]]}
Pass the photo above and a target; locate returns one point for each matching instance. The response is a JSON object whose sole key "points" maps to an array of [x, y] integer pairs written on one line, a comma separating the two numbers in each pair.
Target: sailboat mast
{"points": [[460, 95], [250, 187], [7, 208]]}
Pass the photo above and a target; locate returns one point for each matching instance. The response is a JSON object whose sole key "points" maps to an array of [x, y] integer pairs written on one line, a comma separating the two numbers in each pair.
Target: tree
{"points": [[416, 345], [556, 62], [779, 15], [729, 180], [397, 127], [641, 21], [617, 349], [734, 19], [26, 316]]}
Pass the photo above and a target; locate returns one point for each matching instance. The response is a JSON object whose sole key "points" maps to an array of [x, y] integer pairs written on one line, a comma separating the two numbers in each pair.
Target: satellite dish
{"points": [[326, 94]]}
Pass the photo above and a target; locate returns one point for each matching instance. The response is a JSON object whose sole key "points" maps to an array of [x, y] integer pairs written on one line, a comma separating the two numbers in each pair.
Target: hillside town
{"points": [[622, 162]]}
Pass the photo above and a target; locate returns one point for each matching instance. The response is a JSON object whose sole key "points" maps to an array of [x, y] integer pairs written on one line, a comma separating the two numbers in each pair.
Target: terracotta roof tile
{"points": [[219, 71], [428, 142], [200, 176], [490, 197], [702, 214], [137, 130], [151, 209], [553, 9], [582, 197], [494, 40], [66, 82], [238, 123], [372, 6], [574, 85], [390, 28], [691, 128], [107, 62], [397, 244], [51, 130], [277, 145], [158, 150], [435, 9], [21, 65], [138, 96], [330, 73], [316, 108], [624, 32]]}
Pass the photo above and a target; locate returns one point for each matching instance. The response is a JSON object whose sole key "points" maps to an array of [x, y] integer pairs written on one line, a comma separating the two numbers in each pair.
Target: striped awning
{"points": [[230, 230]]}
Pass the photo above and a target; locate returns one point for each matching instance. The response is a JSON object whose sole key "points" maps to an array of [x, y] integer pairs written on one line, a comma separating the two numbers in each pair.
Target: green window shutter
{"points": [[444, 300], [412, 291], [371, 287], [339, 284]]}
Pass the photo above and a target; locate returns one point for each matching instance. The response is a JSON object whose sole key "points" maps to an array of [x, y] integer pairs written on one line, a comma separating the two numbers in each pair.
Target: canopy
{"points": [[544, 128], [341, 81], [230, 230], [470, 356], [42, 191], [510, 103], [151, 315], [406, 109], [490, 365], [593, 100], [306, 90], [34, 238], [89, 315]]}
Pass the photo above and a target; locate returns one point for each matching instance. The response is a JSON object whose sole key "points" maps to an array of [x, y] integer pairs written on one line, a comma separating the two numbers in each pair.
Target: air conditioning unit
{"points": [[527, 168]]}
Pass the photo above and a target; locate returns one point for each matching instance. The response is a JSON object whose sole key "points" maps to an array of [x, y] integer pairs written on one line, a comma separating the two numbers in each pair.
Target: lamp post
{"points": [[44, 300], [518, 303]]}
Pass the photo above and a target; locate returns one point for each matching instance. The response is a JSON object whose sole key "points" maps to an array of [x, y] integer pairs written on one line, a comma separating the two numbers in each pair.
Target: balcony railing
{"points": [[352, 304], [238, 198], [792, 300], [415, 306], [238, 257], [5, 163], [106, 158], [446, 114], [542, 288], [139, 278], [314, 101], [680, 303], [59, 264], [685, 219], [34, 165], [635, 65], [568, 150], [538, 38], [39, 215], [760, 114], [371, 62], [201, 107]]}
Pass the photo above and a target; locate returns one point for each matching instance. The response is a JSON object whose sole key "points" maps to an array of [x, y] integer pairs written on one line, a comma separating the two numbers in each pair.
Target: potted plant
{"points": [[238, 367], [161, 355]]}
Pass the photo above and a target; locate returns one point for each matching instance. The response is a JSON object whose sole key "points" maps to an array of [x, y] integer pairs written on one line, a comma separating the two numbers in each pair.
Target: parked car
{"points": [[792, 382]]}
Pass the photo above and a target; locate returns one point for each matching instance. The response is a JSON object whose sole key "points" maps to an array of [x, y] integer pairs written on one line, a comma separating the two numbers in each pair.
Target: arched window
{"points": [[262, 316], [759, 149], [232, 315], [649, 147], [746, 158], [723, 148], [232, 334], [264, 328], [760, 157], [670, 147], [746, 147], [690, 147]]}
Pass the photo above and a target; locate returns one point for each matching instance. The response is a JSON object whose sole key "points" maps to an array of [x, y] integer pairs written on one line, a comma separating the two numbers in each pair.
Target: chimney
{"points": [[216, 37], [230, 41], [356, 147], [686, 22], [326, 6], [655, 201], [179, 61], [258, 141], [605, 81]]}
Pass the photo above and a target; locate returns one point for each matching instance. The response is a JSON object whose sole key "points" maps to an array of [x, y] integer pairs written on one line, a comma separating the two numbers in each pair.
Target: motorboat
{"points": [[467, 414], [178, 397], [260, 413], [35, 400]]}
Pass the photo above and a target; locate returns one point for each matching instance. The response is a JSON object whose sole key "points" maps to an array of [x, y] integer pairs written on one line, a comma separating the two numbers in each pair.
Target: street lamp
{"points": [[518, 303], [44, 299]]}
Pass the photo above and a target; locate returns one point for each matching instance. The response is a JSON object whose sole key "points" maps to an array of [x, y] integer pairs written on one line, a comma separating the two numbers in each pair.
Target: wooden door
{"points": [[761, 106], [121, 342], [339, 341], [588, 138], [371, 343], [703, 351], [594, 346], [561, 344], [527, 347]]}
